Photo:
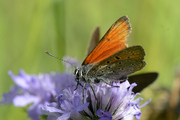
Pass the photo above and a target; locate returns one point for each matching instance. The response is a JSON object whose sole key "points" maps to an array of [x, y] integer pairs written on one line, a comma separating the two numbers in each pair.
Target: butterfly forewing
{"points": [[112, 42]]}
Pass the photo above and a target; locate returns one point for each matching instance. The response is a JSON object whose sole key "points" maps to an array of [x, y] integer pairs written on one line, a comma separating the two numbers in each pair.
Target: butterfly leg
{"points": [[93, 90], [83, 91], [78, 83]]}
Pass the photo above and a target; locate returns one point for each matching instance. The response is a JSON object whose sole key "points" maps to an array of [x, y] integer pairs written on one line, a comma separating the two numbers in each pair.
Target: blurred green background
{"points": [[63, 27]]}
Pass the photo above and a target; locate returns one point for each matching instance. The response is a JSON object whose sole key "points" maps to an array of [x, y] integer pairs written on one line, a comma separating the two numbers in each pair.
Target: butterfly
{"points": [[111, 59], [142, 80]]}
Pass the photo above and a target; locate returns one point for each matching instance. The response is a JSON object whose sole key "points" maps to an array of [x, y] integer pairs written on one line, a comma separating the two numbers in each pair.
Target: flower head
{"points": [[36, 89], [67, 104], [113, 102]]}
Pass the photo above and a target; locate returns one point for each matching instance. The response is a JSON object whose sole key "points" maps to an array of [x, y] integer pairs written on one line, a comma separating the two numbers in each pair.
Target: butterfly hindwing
{"points": [[142, 80], [94, 40], [118, 70]]}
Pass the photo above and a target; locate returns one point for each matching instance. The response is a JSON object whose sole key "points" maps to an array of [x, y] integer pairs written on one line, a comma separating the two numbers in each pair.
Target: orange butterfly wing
{"points": [[113, 41]]}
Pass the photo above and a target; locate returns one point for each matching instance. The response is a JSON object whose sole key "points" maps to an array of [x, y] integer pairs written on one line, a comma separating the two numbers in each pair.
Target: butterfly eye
{"points": [[76, 72]]}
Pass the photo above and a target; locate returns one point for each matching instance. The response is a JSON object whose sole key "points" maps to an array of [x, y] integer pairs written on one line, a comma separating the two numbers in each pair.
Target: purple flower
{"points": [[112, 100], [112, 103], [68, 104], [36, 89], [53, 94]]}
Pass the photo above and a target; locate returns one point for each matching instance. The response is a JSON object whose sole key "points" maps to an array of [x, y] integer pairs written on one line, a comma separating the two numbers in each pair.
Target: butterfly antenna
{"points": [[58, 58]]}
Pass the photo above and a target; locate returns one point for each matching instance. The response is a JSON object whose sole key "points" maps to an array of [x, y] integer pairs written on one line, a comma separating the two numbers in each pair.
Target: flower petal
{"points": [[65, 116], [76, 116], [47, 110], [138, 115], [104, 115], [76, 101], [51, 117], [8, 97], [23, 100], [32, 113], [81, 107], [20, 80]]}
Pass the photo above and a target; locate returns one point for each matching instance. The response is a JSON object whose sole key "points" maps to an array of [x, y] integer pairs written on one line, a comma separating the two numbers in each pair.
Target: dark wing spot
{"points": [[102, 71], [129, 57], [117, 57], [119, 62], [107, 39], [108, 61], [133, 64], [132, 53], [108, 67], [120, 68]]}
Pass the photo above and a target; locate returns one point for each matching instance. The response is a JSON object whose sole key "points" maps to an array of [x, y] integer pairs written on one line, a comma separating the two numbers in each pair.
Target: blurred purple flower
{"points": [[68, 104], [112, 103], [36, 89], [70, 64]]}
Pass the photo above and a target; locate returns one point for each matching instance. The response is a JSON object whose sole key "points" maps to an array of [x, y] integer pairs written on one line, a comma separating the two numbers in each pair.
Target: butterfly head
{"points": [[78, 72]]}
